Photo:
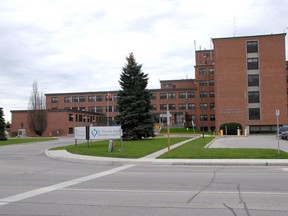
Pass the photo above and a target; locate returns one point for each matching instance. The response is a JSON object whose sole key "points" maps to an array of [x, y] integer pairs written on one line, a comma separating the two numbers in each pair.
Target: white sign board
{"points": [[165, 115], [80, 133], [102, 133], [277, 112]]}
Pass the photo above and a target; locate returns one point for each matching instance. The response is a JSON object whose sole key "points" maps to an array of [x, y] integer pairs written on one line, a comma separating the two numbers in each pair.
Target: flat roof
{"points": [[250, 36]]}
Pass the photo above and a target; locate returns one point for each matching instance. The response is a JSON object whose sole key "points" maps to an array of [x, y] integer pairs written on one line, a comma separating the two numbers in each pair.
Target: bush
{"points": [[231, 128], [3, 138]]}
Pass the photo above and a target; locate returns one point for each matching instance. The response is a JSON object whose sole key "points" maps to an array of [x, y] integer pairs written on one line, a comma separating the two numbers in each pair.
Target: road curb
{"points": [[64, 155]]}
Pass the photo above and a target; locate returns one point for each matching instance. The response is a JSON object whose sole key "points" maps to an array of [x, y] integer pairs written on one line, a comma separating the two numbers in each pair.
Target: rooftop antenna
{"points": [[234, 26], [211, 48]]}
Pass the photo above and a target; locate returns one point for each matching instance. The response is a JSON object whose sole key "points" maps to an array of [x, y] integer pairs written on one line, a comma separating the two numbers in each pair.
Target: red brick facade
{"points": [[250, 81], [60, 122], [243, 80]]}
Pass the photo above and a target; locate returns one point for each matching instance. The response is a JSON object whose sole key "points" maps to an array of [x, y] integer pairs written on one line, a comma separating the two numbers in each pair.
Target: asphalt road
{"points": [[33, 184]]}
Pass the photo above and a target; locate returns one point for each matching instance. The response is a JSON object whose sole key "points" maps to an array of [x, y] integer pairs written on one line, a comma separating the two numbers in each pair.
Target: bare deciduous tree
{"points": [[37, 114]]}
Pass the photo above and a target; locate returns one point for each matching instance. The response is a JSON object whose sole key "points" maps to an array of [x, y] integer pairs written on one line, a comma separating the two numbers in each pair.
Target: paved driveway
{"points": [[252, 141]]}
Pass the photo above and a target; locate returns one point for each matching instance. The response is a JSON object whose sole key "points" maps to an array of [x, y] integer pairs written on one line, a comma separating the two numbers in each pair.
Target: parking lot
{"points": [[251, 141]]}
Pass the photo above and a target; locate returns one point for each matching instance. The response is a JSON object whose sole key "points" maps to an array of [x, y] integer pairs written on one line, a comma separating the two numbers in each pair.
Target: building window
{"points": [[203, 106], [172, 107], [82, 108], [116, 108], [67, 99], [190, 94], [54, 100], [191, 118], [182, 106], [163, 106], [202, 71], [168, 85], [91, 109], [91, 99], [203, 83], [182, 94], [171, 96], [252, 46], [98, 98], [191, 106], [253, 80], [70, 130], [108, 109], [211, 71], [211, 82], [163, 95], [253, 97], [203, 94], [75, 99], [204, 117], [254, 113], [212, 117], [212, 106], [70, 118], [99, 109], [252, 63], [153, 107], [153, 96], [212, 94], [82, 99]]}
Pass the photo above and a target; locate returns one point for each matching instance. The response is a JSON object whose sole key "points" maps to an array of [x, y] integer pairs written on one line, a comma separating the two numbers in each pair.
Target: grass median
{"points": [[195, 150], [12, 141], [191, 150], [132, 149]]}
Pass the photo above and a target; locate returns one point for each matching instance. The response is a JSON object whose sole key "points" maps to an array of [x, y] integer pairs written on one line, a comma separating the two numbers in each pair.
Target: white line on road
{"points": [[59, 186]]}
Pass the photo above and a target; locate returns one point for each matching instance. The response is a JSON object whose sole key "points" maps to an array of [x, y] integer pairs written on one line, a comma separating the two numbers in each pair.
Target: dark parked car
{"points": [[284, 135]]}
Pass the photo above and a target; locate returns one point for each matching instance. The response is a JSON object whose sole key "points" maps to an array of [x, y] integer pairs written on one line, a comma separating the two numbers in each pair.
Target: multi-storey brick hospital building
{"points": [[243, 80]]}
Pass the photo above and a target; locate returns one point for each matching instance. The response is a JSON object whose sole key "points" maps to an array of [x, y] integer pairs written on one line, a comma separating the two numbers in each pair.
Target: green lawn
{"points": [[192, 150], [132, 149], [195, 150], [12, 141]]}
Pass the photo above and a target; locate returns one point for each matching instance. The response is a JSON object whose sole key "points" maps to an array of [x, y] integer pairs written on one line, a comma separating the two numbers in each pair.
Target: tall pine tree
{"points": [[2, 125], [134, 102]]}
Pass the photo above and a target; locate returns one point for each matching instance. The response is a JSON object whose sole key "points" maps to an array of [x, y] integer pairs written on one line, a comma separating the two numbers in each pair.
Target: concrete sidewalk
{"points": [[226, 142]]}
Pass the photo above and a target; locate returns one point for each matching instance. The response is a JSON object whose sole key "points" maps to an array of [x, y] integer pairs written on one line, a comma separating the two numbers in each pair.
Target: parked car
{"points": [[284, 135], [281, 130]]}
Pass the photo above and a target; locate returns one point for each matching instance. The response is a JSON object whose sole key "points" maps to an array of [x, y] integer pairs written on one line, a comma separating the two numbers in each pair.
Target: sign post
{"points": [[168, 129], [277, 119]]}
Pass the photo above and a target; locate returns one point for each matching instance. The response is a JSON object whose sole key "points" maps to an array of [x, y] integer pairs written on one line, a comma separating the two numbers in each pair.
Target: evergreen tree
{"points": [[2, 125], [134, 102]]}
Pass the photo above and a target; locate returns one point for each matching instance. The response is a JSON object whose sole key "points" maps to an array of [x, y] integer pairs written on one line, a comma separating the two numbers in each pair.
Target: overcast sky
{"points": [[81, 45]]}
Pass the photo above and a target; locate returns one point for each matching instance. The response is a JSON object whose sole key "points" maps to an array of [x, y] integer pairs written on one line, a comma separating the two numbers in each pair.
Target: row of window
{"points": [[202, 118], [99, 98], [76, 99], [203, 71], [253, 80], [182, 95], [252, 47], [81, 118], [189, 106]]}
